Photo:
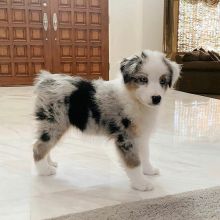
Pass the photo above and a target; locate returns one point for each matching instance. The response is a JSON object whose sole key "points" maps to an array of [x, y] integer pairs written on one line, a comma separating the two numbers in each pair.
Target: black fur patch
{"points": [[40, 114], [127, 78], [67, 100], [45, 137], [81, 102], [120, 138], [48, 115], [126, 147], [126, 122], [113, 127]]}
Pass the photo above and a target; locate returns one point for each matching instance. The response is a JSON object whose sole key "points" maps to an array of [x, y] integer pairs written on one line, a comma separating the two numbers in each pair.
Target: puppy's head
{"points": [[149, 76]]}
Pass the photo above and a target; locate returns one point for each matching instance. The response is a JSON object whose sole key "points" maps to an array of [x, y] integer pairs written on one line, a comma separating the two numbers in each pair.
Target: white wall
{"points": [[153, 24], [125, 35], [134, 25]]}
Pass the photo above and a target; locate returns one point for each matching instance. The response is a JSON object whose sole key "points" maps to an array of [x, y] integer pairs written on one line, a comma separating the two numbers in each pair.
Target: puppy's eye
{"points": [[143, 80], [163, 81]]}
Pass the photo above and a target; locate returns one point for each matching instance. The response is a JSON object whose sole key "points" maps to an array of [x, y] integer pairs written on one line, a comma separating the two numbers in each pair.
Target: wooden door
{"points": [[24, 44], [80, 42], [30, 41]]}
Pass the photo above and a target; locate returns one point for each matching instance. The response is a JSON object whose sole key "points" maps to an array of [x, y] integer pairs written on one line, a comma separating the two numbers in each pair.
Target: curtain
{"points": [[199, 25]]}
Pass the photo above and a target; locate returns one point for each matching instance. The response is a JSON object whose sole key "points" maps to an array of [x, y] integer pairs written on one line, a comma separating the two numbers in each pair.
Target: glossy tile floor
{"points": [[186, 147]]}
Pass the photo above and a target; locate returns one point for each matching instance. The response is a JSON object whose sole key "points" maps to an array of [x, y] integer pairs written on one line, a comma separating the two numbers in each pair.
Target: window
{"points": [[199, 25], [190, 24]]}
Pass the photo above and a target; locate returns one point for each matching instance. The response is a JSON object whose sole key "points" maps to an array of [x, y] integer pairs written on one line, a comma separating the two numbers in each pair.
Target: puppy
{"points": [[124, 109]]}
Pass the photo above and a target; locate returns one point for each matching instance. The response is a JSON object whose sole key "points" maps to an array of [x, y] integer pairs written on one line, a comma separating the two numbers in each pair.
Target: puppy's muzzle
{"points": [[156, 99]]}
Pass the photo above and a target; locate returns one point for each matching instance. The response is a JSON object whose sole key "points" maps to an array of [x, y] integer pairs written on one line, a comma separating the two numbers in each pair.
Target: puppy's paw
{"points": [[44, 169], [47, 171], [51, 162], [151, 171], [142, 185]]}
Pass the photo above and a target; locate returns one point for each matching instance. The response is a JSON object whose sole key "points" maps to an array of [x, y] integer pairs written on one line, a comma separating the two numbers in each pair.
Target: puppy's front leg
{"points": [[130, 156], [144, 152]]}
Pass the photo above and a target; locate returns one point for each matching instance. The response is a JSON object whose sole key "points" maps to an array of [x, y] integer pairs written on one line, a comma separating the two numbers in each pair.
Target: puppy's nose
{"points": [[156, 99]]}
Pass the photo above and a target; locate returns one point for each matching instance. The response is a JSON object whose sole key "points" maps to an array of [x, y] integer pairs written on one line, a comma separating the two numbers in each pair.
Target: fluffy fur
{"points": [[124, 110]]}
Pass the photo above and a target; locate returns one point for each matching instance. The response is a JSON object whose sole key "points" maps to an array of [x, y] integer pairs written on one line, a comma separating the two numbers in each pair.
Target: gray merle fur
{"points": [[126, 122], [45, 114], [129, 67]]}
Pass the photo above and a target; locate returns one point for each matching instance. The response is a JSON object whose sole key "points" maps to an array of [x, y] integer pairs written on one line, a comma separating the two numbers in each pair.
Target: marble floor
{"points": [[185, 146]]}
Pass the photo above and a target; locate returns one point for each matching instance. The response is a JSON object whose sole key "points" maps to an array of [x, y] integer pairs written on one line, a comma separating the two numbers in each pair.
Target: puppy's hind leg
{"points": [[46, 141], [41, 149]]}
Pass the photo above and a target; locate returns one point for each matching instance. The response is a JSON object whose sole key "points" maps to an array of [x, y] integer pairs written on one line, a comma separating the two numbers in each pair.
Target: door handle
{"points": [[55, 21], [45, 21]]}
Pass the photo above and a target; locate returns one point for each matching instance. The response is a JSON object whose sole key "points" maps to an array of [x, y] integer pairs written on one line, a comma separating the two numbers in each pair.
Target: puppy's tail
{"points": [[43, 74], [48, 85], [43, 80], [45, 83]]}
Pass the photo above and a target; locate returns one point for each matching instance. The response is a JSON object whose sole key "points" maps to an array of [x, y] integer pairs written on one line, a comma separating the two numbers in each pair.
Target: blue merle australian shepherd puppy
{"points": [[124, 109]]}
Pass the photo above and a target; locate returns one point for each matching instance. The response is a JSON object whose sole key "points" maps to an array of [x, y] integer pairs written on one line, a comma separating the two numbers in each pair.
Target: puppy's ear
{"points": [[174, 70], [130, 66], [123, 64], [143, 55]]}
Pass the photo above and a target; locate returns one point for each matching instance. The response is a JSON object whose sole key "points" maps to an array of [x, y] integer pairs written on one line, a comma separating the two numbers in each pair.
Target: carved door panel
{"points": [[24, 43], [69, 36], [80, 38]]}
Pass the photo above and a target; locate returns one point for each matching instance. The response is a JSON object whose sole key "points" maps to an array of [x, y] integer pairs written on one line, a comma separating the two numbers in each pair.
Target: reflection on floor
{"points": [[185, 147], [211, 96]]}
